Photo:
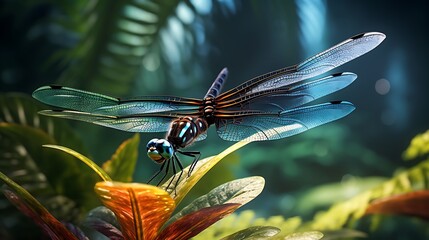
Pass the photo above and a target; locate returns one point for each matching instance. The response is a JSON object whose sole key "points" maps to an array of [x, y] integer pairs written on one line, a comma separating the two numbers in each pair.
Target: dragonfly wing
{"points": [[155, 104], [74, 99], [84, 101], [201, 137], [127, 123], [261, 127], [291, 96], [316, 65]]}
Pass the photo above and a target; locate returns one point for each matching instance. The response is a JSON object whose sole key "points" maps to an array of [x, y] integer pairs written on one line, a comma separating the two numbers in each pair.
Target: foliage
{"points": [[419, 147], [402, 194], [56, 179], [127, 152], [28, 205], [340, 214], [142, 39], [143, 210]]}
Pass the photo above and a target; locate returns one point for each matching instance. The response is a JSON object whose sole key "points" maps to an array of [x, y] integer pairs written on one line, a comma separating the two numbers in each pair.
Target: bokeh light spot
{"points": [[382, 86]]}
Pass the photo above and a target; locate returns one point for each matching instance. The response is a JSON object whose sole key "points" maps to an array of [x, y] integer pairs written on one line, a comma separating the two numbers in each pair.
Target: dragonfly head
{"points": [[159, 150]]}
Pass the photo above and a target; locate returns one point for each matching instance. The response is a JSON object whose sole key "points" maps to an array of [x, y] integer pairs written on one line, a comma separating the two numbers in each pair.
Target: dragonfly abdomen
{"points": [[217, 85], [183, 131]]}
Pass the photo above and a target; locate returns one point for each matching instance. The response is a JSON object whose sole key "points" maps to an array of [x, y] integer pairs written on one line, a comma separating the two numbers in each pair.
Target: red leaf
{"points": [[141, 209], [193, 223], [40, 215], [413, 204]]}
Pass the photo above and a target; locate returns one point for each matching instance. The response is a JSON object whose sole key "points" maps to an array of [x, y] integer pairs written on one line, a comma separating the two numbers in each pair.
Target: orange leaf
{"points": [[140, 208], [413, 204], [193, 223]]}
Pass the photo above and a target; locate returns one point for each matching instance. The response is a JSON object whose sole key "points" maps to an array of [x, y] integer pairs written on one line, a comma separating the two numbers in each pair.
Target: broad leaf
{"points": [[239, 191], [412, 204], [122, 164], [193, 223], [28, 205], [253, 233], [141, 209], [185, 183]]}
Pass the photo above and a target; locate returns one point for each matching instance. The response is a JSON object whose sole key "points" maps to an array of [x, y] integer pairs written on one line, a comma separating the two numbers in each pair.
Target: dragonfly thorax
{"points": [[209, 106], [185, 130]]}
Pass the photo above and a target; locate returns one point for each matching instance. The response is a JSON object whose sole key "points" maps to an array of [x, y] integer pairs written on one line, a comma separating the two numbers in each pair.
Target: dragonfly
{"points": [[268, 107]]}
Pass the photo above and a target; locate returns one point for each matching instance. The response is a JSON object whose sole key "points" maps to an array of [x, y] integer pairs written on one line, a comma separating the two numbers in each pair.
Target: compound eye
{"points": [[152, 143], [164, 148], [153, 151]]}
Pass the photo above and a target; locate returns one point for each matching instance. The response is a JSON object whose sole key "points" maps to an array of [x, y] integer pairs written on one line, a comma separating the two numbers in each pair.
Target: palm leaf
{"points": [[44, 174], [120, 37]]}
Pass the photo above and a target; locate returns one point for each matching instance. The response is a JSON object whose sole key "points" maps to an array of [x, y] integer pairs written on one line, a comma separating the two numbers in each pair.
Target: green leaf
{"points": [[62, 172], [23, 110], [313, 235], [253, 233], [28, 205], [418, 147], [239, 191], [99, 171], [184, 184], [122, 164], [22, 131], [325, 195], [415, 178], [117, 38]]}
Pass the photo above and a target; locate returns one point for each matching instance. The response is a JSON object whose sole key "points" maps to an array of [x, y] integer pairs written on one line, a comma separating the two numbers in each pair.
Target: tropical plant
{"points": [[143, 210], [406, 193]]}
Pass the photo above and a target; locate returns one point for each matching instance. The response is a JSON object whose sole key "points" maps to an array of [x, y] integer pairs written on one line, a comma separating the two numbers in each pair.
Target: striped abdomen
{"points": [[185, 130]]}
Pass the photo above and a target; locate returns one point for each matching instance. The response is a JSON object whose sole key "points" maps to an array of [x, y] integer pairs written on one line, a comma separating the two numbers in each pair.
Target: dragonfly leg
{"points": [[157, 173], [196, 155], [160, 170], [181, 169], [194, 163], [174, 172], [176, 160]]}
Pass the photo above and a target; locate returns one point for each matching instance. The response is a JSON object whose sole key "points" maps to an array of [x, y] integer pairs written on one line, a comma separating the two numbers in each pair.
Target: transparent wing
{"points": [[131, 123], [316, 65], [288, 97], [83, 101], [262, 126]]}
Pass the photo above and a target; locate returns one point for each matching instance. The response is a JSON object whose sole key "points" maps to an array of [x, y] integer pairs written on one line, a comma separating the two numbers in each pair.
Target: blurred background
{"points": [[132, 47]]}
